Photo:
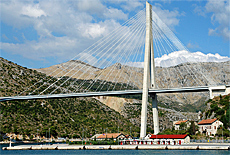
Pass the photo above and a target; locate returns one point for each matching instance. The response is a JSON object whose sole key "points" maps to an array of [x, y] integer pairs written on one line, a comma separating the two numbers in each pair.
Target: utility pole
{"points": [[37, 136], [49, 136], [10, 142], [222, 136], [130, 131], [86, 136], [106, 133], [82, 135], [118, 136]]}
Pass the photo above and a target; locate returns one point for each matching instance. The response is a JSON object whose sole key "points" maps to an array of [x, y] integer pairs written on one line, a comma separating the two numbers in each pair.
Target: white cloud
{"points": [[11, 14], [115, 14], [33, 11], [92, 30], [91, 6], [78, 28], [220, 14], [199, 10], [212, 32], [179, 57], [58, 47], [220, 17], [132, 5], [63, 18], [170, 18], [75, 21], [95, 30], [191, 45]]}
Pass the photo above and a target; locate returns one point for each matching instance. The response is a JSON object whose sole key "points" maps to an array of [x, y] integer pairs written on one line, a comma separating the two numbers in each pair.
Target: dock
{"points": [[121, 147]]}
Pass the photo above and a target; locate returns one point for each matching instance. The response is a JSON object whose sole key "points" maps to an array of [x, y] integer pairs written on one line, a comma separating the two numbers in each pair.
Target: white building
{"points": [[110, 136], [171, 139], [176, 124], [159, 140], [209, 126], [95, 136]]}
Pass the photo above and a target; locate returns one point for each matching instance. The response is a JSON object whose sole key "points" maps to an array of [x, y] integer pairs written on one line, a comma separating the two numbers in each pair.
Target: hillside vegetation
{"points": [[218, 107], [64, 117]]}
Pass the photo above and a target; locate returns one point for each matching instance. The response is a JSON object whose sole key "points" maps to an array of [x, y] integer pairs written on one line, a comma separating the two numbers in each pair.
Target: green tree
{"points": [[193, 128], [31, 137], [106, 138], [1, 137], [23, 137], [76, 136], [220, 111], [214, 107], [183, 126]]}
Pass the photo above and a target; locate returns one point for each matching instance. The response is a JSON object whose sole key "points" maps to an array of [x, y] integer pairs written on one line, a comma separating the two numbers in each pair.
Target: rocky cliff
{"points": [[183, 75], [131, 109]]}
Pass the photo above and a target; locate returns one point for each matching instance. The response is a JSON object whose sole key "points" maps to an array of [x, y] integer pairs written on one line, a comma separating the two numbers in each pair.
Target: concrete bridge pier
{"points": [[155, 114], [149, 77], [147, 65], [219, 90]]}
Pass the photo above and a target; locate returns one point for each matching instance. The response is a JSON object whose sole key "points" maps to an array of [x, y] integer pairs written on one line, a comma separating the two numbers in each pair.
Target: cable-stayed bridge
{"points": [[107, 93], [113, 66]]}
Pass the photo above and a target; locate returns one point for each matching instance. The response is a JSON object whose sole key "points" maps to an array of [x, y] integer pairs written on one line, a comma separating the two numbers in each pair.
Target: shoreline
{"points": [[200, 146], [30, 142]]}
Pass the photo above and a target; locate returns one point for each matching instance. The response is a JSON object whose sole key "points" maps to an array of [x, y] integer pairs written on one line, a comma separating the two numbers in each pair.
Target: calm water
{"points": [[113, 152]]}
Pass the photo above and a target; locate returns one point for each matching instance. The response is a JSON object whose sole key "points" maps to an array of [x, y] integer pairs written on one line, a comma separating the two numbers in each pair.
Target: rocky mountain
{"points": [[183, 75], [131, 109], [80, 70]]}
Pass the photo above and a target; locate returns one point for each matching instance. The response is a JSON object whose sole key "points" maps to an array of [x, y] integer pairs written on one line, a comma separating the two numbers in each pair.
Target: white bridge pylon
{"points": [[149, 77]]}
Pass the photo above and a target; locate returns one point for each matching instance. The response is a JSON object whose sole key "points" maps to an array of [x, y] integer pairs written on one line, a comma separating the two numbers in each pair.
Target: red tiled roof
{"points": [[168, 136], [109, 135], [178, 123], [127, 136], [207, 121]]}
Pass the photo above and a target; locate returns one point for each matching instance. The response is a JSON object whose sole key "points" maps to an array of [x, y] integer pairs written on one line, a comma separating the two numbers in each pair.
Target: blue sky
{"points": [[41, 33]]}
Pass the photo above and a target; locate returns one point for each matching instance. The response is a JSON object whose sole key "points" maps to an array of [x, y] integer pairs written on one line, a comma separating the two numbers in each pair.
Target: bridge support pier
{"points": [[155, 114], [219, 90]]}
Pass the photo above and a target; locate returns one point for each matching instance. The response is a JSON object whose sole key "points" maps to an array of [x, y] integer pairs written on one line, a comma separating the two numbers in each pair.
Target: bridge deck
{"points": [[106, 93]]}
